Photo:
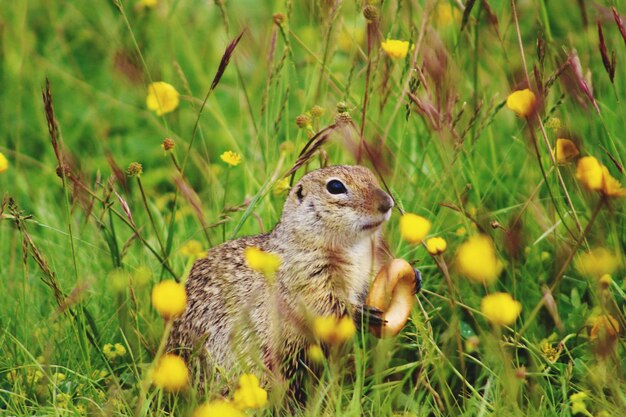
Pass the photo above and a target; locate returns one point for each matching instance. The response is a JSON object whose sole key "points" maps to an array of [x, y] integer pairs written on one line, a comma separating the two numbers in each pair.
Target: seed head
{"points": [[168, 144], [134, 169], [370, 12]]}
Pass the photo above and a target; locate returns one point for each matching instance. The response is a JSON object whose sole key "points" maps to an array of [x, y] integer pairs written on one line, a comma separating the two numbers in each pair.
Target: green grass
{"points": [[471, 166]]}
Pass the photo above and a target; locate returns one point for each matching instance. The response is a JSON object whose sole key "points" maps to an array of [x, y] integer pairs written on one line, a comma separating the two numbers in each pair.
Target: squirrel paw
{"points": [[418, 280], [369, 315]]}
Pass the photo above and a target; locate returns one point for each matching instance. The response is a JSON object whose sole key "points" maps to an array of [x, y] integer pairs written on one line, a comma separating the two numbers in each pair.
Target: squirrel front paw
{"points": [[368, 315]]}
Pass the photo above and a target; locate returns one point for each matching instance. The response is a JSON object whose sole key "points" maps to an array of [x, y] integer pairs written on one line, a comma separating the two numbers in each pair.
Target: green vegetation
{"points": [[82, 244]]}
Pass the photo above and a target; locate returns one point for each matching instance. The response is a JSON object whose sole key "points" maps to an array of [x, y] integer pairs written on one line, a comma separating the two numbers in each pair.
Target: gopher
{"points": [[330, 245]]}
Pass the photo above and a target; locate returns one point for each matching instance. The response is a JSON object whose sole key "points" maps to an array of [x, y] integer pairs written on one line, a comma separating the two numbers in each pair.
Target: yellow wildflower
{"points": [[169, 299], [120, 349], [522, 102], [603, 326], [266, 263], [231, 158], [395, 48], [554, 123], [281, 187], [551, 353], [346, 328], [471, 344], [605, 281], [162, 98], [218, 408], [589, 173], [597, 262], [565, 150], [148, 4], [170, 373], [577, 403], [4, 163], [436, 245], [350, 37], [324, 327], [461, 231], [249, 394], [12, 376], [332, 330], [610, 186], [476, 260], [315, 353], [113, 352], [596, 177], [500, 308], [58, 377], [446, 14], [63, 400], [414, 228], [192, 249]]}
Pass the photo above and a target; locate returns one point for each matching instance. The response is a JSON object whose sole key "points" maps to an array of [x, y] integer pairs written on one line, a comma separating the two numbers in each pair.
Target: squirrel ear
{"points": [[299, 194]]}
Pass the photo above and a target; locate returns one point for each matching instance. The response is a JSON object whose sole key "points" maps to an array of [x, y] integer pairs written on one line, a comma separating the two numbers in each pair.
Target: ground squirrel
{"points": [[330, 245]]}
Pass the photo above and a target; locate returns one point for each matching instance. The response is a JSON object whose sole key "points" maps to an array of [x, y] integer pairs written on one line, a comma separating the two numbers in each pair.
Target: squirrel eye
{"points": [[336, 187]]}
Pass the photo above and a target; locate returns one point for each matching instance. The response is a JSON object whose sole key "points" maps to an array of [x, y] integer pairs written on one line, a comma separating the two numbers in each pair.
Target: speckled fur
{"points": [[330, 247]]}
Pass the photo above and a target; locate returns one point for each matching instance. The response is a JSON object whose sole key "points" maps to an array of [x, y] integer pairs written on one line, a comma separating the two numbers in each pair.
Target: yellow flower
{"points": [[4, 163], [169, 299], [436, 245], [549, 352], [589, 173], [346, 328], [596, 177], [603, 326], [162, 98], [120, 349], [170, 373], [231, 158], [597, 262], [63, 400], [395, 48], [554, 123], [605, 281], [522, 102], [249, 394], [414, 228], [266, 263], [113, 352], [446, 14], [315, 353], [476, 260], [332, 330], [500, 308], [192, 249], [565, 150], [218, 408], [149, 4], [577, 403], [281, 187], [610, 186]]}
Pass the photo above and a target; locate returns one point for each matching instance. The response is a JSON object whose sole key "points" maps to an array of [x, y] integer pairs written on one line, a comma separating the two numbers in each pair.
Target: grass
{"points": [[77, 267]]}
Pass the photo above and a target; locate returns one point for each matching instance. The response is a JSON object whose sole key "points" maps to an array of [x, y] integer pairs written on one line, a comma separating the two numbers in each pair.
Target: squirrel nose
{"points": [[386, 202]]}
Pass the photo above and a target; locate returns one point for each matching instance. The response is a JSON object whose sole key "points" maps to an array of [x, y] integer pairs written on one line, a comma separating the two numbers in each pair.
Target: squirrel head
{"points": [[337, 204]]}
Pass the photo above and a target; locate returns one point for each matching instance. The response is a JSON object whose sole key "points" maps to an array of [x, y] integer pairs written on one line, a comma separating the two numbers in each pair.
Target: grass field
{"points": [[82, 243]]}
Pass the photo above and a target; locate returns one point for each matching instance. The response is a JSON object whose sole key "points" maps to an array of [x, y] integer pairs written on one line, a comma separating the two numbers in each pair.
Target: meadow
{"points": [[137, 134]]}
